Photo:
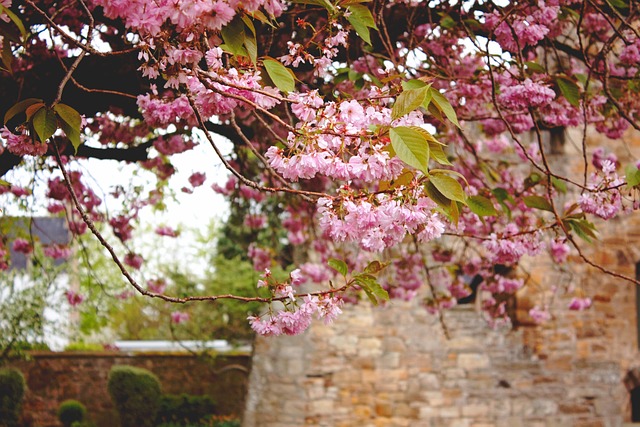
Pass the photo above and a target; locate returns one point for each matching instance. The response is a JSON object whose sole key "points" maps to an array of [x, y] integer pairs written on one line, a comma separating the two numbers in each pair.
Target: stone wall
{"points": [[393, 366], [54, 377]]}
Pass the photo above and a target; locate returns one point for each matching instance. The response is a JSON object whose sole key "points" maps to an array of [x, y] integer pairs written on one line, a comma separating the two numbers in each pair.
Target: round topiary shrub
{"points": [[71, 411], [136, 394], [12, 389]]}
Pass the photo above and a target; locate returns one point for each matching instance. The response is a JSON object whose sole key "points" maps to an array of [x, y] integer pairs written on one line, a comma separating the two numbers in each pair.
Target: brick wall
{"points": [[55, 377]]}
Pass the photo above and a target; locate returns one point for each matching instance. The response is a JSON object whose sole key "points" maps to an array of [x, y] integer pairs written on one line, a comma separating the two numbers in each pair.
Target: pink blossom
{"points": [[178, 317], [580, 304], [22, 246], [296, 277], [122, 227], [166, 231], [74, 298], [255, 221], [539, 315], [124, 295], [261, 258], [23, 144], [133, 260], [559, 250], [525, 95], [57, 251], [197, 179], [157, 286]]}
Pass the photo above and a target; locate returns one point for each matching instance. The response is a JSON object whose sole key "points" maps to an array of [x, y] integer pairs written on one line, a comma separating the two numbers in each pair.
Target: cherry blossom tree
{"points": [[395, 145]]}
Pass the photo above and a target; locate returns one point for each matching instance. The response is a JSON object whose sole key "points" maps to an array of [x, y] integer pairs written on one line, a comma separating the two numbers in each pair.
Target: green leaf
{"points": [[14, 18], [324, 3], [338, 265], [405, 178], [632, 174], [583, 228], [280, 75], [361, 20], [559, 185], [413, 84], [435, 195], [44, 123], [233, 36], [374, 267], [481, 206], [449, 187], [535, 67], [411, 147], [70, 122], [7, 56], [437, 153], [618, 4], [364, 15], [249, 24], [443, 105], [20, 107], [68, 115], [453, 212], [538, 202], [408, 101], [73, 134], [251, 46], [569, 89], [501, 194], [374, 291], [447, 22]]}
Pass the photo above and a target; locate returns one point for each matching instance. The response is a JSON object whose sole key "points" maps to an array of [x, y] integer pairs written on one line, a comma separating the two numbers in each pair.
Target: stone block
{"points": [[427, 411], [384, 409], [389, 360], [470, 361], [450, 412], [428, 381], [475, 410]]}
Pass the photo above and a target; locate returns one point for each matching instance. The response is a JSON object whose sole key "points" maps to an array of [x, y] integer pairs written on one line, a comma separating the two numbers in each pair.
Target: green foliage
{"points": [[70, 412], [481, 206], [361, 20], [12, 389], [83, 346], [23, 300], [135, 393], [280, 75], [185, 409], [410, 145]]}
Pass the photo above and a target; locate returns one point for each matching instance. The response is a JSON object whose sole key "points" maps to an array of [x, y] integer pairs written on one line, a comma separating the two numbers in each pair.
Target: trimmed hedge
{"points": [[71, 411], [185, 408], [135, 393], [12, 389]]}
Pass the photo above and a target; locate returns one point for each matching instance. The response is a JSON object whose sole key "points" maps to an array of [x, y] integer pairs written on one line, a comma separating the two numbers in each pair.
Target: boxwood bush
{"points": [[12, 389], [70, 412], [135, 393]]}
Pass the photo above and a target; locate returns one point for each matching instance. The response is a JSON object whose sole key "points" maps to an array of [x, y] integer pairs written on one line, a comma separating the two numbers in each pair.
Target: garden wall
{"points": [[55, 377]]}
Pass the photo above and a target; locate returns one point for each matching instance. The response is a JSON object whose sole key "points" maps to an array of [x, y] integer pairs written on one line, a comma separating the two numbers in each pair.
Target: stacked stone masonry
{"points": [[393, 366]]}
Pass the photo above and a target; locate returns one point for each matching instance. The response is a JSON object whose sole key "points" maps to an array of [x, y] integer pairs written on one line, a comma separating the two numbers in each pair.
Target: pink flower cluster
{"points": [[22, 144], [526, 95], [74, 298], [379, 224], [295, 322]]}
